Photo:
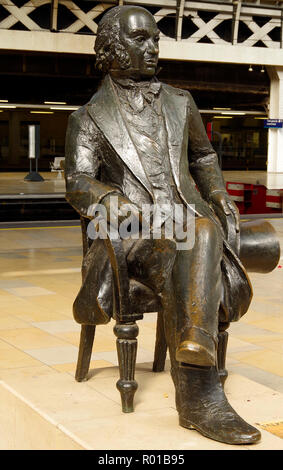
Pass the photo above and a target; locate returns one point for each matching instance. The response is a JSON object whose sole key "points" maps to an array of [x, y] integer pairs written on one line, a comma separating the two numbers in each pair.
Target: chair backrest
{"points": [[58, 163]]}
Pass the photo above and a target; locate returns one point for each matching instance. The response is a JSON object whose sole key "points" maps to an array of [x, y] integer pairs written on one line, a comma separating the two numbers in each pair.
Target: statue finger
{"points": [[236, 216], [225, 207]]}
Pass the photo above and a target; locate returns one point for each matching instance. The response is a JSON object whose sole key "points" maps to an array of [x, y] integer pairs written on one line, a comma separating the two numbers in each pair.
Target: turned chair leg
{"points": [[221, 352], [85, 350], [160, 345], [126, 342]]}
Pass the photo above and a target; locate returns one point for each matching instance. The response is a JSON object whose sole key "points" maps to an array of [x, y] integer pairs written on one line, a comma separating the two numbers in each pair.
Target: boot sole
{"points": [[195, 356], [189, 425]]}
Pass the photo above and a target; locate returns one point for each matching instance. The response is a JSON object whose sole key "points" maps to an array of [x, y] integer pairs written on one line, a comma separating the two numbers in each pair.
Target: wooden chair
{"points": [[129, 292]]}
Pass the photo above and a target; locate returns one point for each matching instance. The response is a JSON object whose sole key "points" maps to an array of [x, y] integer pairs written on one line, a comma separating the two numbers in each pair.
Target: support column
{"points": [[275, 136], [14, 138]]}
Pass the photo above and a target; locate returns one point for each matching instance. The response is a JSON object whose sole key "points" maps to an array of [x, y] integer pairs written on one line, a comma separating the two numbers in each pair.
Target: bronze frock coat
{"points": [[101, 159]]}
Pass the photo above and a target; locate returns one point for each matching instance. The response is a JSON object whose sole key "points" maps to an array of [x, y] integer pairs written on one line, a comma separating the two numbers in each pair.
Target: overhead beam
{"points": [[41, 41], [219, 53]]}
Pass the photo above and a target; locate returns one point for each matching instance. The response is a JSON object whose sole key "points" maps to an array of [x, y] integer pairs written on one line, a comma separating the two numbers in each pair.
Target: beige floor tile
{"points": [[63, 399], [256, 339], [267, 360], [27, 372], [9, 244], [252, 333], [252, 316], [55, 355], [24, 428], [153, 430], [104, 343], [72, 337], [60, 326], [271, 323], [94, 366], [106, 329], [58, 285], [56, 303], [267, 306], [50, 260], [30, 291], [3, 345], [154, 390], [237, 345], [11, 322], [10, 303], [30, 338], [111, 356], [37, 314], [113, 371], [230, 362], [147, 335], [267, 442], [157, 422], [4, 294], [275, 345], [12, 358], [27, 311]]}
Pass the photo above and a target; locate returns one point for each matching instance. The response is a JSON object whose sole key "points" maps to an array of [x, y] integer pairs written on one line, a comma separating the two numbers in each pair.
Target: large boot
{"points": [[202, 405]]}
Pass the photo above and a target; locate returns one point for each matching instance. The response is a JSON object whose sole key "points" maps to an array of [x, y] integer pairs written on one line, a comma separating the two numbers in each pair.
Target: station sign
{"points": [[34, 141], [273, 123]]}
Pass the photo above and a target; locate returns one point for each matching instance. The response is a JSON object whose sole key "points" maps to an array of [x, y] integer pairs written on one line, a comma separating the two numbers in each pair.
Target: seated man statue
{"points": [[143, 142]]}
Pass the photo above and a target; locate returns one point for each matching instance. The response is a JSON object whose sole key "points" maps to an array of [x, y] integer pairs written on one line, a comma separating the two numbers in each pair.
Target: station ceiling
{"points": [[34, 78]]}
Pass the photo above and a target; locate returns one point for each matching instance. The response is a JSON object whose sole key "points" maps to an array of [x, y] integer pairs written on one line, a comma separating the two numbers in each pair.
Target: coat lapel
{"points": [[175, 110], [175, 113], [104, 109]]}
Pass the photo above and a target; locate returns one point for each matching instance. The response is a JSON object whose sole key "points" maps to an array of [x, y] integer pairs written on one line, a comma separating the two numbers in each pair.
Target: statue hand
{"points": [[229, 216], [119, 207]]}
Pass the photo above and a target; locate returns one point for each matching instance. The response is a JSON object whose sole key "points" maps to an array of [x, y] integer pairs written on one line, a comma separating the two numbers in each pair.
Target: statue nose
{"points": [[152, 48]]}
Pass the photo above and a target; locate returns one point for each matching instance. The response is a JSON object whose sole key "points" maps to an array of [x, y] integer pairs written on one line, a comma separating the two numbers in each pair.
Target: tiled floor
{"points": [[39, 278]]}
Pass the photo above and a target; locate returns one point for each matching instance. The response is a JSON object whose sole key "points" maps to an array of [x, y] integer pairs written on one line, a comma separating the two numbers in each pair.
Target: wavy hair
{"points": [[108, 44]]}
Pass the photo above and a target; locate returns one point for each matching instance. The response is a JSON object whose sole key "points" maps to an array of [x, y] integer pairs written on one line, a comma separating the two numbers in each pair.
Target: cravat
{"points": [[138, 92]]}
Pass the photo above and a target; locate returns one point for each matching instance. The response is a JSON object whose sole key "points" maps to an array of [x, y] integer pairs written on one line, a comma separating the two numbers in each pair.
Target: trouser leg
{"points": [[197, 281], [196, 278]]}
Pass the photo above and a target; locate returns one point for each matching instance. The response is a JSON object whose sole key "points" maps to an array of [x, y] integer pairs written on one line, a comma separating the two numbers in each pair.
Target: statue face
{"points": [[139, 35]]}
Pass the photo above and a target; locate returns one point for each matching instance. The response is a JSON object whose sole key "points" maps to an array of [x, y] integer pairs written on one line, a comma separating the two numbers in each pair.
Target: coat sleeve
{"points": [[203, 160], [82, 161]]}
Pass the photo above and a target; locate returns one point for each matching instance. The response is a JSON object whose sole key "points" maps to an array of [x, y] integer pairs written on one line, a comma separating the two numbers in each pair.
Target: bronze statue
{"points": [[144, 142]]}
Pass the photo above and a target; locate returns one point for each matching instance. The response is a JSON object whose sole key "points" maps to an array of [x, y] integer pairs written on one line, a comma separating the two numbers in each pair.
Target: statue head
{"points": [[127, 43]]}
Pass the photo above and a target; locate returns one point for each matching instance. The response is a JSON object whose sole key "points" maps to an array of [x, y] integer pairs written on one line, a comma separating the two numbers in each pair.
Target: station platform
{"points": [[43, 407], [22, 200], [12, 184], [262, 178]]}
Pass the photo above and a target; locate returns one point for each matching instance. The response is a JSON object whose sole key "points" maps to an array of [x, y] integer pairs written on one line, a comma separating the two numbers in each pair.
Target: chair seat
{"points": [[133, 300]]}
